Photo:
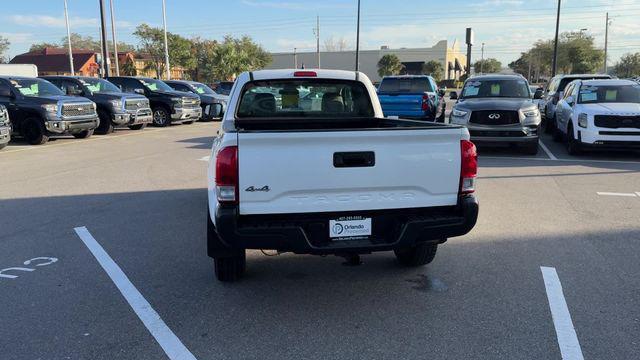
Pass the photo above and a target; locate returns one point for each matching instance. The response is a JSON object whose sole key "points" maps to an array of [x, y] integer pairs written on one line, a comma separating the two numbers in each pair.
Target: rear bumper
{"points": [[309, 233]]}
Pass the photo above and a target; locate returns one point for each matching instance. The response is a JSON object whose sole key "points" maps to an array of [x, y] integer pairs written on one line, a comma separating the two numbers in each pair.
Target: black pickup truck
{"points": [[168, 106], [115, 108], [212, 104], [39, 110], [5, 127]]}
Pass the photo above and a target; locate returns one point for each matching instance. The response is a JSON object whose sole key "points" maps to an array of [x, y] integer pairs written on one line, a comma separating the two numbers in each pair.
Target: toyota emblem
{"points": [[494, 116]]}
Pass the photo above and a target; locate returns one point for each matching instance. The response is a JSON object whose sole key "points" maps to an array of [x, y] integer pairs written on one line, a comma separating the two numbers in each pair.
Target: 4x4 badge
{"points": [[254, 189]]}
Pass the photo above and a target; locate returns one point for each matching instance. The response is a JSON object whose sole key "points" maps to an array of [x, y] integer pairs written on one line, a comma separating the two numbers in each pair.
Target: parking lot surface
{"points": [[142, 197]]}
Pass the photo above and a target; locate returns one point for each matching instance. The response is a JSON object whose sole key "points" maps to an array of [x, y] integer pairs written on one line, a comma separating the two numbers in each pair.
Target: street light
{"points": [[554, 67]]}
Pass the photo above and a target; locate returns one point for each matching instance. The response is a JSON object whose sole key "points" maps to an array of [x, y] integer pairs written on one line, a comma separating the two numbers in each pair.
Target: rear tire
{"points": [[161, 117], [137, 126], [83, 134], [574, 147], [105, 127], [230, 268], [33, 132], [417, 255]]}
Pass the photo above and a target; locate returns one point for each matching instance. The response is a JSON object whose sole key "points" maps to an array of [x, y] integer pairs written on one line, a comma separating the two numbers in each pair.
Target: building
{"points": [[144, 66], [451, 58], [55, 61]]}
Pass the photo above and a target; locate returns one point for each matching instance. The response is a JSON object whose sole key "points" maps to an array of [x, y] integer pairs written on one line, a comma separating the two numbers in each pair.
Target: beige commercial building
{"points": [[451, 57]]}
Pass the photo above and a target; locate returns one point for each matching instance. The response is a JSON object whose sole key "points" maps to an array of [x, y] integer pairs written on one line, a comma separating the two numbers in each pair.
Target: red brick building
{"points": [[55, 61]]}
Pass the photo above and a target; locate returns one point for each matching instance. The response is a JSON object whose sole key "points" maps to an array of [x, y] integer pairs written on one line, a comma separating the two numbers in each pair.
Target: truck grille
{"points": [[136, 104], [617, 121], [495, 117], [82, 109], [190, 102], [4, 117]]}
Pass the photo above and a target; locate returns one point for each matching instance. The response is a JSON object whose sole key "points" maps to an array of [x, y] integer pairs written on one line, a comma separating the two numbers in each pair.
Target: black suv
{"points": [[5, 127], [168, 106], [499, 109], [39, 110], [212, 104]]}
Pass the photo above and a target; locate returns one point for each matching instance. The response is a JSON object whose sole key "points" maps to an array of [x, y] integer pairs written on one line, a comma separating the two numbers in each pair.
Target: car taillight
{"points": [[468, 167], [305, 74], [227, 175], [425, 102]]}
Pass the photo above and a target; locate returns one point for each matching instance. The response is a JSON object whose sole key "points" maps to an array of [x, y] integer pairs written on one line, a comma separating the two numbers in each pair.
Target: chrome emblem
{"points": [[79, 108], [494, 116]]}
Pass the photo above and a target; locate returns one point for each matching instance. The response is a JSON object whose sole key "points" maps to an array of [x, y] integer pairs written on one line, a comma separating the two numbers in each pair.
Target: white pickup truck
{"points": [[305, 162]]}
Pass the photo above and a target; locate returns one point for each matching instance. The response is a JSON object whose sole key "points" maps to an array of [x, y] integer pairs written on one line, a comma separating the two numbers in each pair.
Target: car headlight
{"points": [[50, 108], [177, 102], [116, 104], [459, 113], [582, 120], [531, 113]]}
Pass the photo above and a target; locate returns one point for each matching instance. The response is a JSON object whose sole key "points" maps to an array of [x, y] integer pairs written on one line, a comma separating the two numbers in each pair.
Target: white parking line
{"points": [[565, 332], [172, 346], [616, 194], [546, 150]]}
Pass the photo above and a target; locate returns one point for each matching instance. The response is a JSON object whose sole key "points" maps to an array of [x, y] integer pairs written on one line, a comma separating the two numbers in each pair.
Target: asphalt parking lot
{"points": [[141, 196]]}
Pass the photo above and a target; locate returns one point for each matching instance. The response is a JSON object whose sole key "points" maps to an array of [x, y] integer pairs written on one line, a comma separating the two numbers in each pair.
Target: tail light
{"points": [[305, 74], [227, 175], [425, 102], [468, 167]]}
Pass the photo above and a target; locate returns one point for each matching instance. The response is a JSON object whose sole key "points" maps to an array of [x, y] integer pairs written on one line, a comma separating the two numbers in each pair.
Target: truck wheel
{"points": [[105, 126], [573, 145], [230, 268], [418, 255], [530, 149], [83, 134], [33, 132], [161, 117], [137, 126]]}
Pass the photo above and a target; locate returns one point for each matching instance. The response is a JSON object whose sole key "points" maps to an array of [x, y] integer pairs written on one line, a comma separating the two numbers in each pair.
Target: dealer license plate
{"points": [[349, 227]]}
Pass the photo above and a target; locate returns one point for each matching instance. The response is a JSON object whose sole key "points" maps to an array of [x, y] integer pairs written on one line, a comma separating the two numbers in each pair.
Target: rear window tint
{"points": [[405, 85], [304, 98]]}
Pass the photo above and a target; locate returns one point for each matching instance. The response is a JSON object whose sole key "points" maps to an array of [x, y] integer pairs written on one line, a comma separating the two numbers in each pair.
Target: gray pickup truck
{"points": [[5, 127]]}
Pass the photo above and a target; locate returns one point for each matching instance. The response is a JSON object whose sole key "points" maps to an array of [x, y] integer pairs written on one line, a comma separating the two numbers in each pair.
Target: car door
{"points": [[562, 109]]}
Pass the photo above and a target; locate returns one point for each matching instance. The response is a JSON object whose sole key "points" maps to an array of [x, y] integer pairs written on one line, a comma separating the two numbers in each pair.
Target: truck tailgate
{"points": [[332, 171], [401, 104]]}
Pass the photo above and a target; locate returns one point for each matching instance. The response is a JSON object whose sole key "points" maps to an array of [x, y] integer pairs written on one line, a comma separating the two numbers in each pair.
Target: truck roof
{"points": [[497, 77], [289, 74], [609, 82]]}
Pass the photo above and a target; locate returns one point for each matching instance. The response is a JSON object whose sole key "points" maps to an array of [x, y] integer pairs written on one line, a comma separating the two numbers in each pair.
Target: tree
{"points": [[128, 68], [82, 43], [433, 68], [4, 46], [487, 66], [576, 54], [42, 46], [333, 44], [233, 56], [389, 64], [152, 43], [628, 66]]}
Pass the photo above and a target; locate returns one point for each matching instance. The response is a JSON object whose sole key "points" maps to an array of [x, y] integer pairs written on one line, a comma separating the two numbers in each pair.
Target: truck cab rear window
{"points": [[305, 98], [405, 85]]}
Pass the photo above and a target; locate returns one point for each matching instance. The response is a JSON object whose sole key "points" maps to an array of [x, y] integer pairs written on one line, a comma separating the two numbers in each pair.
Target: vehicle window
{"points": [[3, 85], [95, 85], [517, 88], [568, 91], [127, 85], [35, 87], [405, 85], [69, 84], [590, 94], [305, 99], [567, 80], [179, 87], [155, 85], [201, 89], [224, 87], [553, 85]]}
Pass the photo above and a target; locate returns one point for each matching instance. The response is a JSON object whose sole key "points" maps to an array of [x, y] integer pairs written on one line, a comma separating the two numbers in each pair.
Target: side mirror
{"points": [[71, 91], [570, 100], [453, 95], [6, 92], [538, 94], [139, 91]]}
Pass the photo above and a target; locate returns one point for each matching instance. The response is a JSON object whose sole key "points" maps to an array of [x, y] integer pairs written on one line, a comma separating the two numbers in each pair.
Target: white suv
{"points": [[599, 114]]}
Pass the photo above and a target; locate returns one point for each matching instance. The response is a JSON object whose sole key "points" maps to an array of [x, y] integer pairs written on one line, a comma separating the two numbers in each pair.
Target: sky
{"points": [[507, 27]]}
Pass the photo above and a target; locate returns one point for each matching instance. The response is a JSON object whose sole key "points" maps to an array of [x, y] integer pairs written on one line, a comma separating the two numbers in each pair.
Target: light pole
{"points": [[606, 42], [166, 47], [115, 40], [295, 58], [103, 36], [66, 20], [482, 60], [358, 40], [554, 67]]}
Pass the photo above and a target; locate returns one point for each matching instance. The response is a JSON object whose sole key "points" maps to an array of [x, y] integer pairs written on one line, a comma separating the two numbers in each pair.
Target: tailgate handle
{"points": [[354, 159]]}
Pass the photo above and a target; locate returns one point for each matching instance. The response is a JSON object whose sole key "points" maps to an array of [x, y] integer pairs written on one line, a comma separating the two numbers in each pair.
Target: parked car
{"points": [[212, 104], [412, 97], [167, 105], [5, 127], [334, 177], [599, 114], [223, 87], [498, 109], [115, 108], [554, 92], [39, 110]]}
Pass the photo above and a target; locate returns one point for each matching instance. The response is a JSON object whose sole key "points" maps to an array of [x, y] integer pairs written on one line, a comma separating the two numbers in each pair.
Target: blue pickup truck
{"points": [[412, 97]]}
